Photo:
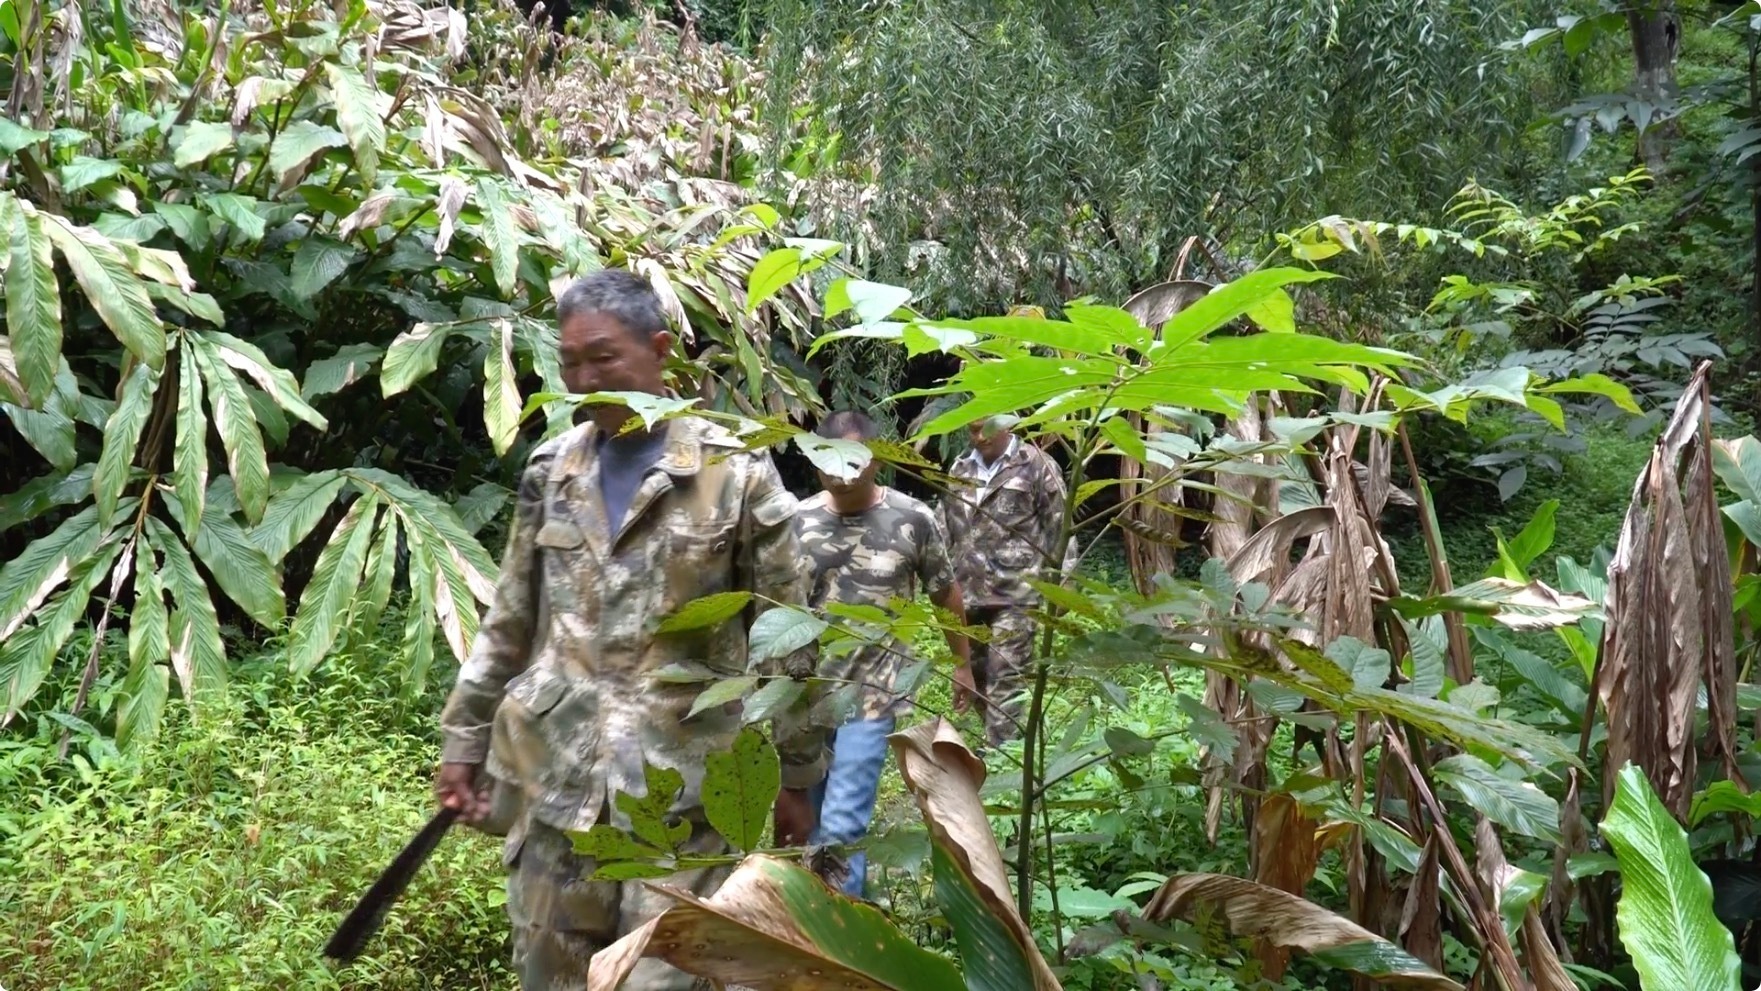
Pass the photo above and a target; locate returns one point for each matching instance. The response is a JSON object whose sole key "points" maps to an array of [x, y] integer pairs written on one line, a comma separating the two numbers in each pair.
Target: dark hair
{"points": [[618, 293], [845, 422]]}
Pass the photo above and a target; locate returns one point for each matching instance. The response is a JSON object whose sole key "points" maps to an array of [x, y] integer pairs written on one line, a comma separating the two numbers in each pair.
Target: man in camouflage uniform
{"points": [[559, 700], [866, 545], [1004, 524]]}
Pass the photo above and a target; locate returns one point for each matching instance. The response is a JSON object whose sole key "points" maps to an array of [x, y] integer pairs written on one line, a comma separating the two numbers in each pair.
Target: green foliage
{"points": [[1665, 910]]}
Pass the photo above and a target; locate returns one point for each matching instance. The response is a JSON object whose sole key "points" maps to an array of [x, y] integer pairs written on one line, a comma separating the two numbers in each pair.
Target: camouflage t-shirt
{"points": [[891, 551]]}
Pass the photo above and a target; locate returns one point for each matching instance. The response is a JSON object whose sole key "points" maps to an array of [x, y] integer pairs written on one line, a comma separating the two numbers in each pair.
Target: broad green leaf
{"points": [[723, 692], [1275, 313], [419, 622], [834, 456], [294, 511], [774, 918], [708, 611], [784, 265], [15, 137], [27, 656], [1665, 908], [318, 262], [1516, 805], [501, 394], [297, 143], [351, 363], [278, 382], [1566, 697], [335, 577], [605, 843], [1722, 797], [1597, 384], [500, 235], [1368, 666], [239, 567], [380, 572], [648, 812], [1427, 660], [247, 461], [40, 495], [1534, 539], [187, 222], [148, 685], [199, 140], [197, 654], [872, 301], [782, 630], [241, 213], [1738, 463], [1062, 335], [33, 300], [412, 356], [1519, 606], [27, 581], [116, 293], [85, 172], [777, 695], [740, 788], [359, 113], [122, 434], [48, 430], [1231, 300]]}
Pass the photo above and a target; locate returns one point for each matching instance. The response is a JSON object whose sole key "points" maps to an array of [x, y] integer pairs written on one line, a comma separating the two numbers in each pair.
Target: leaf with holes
{"points": [[740, 788]]}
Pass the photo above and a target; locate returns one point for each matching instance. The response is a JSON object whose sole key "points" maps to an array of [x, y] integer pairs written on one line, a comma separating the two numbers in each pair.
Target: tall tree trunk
{"points": [[1655, 31]]}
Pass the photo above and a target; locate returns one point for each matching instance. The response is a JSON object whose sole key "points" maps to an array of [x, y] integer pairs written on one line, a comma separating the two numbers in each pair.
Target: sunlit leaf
{"points": [[501, 395], [708, 611], [411, 357], [297, 143], [200, 140]]}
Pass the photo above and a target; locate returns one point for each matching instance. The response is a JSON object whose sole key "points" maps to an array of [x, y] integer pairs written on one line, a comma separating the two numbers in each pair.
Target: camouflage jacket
{"points": [[891, 551], [1002, 532], [560, 694]]}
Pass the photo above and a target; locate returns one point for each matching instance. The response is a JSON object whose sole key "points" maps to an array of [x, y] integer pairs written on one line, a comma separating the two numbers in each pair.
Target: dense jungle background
{"points": [[1402, 356]]}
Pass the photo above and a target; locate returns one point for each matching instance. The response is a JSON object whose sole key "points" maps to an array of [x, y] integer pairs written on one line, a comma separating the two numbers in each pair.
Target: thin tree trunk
{"points": [[1655, 30]]}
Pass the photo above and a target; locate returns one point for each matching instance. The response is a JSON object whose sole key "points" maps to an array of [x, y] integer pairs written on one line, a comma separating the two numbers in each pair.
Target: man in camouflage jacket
{"points": [[1004, 525], [867, 545], [559, 699]]}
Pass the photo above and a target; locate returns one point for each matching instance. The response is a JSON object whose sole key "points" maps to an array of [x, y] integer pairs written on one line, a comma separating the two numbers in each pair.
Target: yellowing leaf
{"points": [[118, 296], [358, 111], [501, 395]]}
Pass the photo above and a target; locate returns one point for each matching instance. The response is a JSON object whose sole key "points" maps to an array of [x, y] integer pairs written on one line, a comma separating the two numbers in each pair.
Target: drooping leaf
{"points": [[27, 656], [419, 622], [351, 363], [723, 692], [317, 264], [111, 288], [122, 434], [777, 695], [28, 580], [1519, 606], [501, 394], [740, 788], [773, 926], [708, 611], [412, 356], [238, 565], [297, 143], [40, 495], [335, 577], [1515, 804], [500, 236], [366, 608], [33, 300], [148, 684], [189, 465], [1665, 909], [359, 113], [199, 141], [197, 654], [294, 511], [971, 882], [1289, 922], [277, 382], [241, 213], [247, 459]]}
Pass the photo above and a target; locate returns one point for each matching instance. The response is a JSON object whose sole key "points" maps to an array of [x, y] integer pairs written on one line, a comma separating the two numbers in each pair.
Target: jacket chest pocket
{"points": [[699, 561], [562, 557]]}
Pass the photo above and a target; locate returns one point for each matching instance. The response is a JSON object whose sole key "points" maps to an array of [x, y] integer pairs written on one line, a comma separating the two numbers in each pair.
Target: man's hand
{"points": [[965, 690], [456, 787], [794, 817]]}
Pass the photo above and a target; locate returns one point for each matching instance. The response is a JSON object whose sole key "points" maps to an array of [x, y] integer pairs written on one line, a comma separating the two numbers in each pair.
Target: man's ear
{"points": [[663, 345]]}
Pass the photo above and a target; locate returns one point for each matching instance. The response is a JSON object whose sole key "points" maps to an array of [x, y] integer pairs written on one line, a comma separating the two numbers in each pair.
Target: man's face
{"points": [[862, 480], [599, 354], [990, 446]]}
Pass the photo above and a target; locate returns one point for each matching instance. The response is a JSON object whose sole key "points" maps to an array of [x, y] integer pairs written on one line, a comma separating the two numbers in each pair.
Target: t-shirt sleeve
{"points": [[934, 566]]}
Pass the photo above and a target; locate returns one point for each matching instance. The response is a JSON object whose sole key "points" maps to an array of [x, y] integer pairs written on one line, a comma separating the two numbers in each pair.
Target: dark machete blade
{"points": [[369, 912]]}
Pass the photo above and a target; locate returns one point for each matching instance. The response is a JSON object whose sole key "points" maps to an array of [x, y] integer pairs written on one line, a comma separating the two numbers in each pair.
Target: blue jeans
{"points": [[845, 799]]}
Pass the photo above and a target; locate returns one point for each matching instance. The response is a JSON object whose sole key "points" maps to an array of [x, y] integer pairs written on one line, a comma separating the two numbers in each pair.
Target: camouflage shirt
{"points": [[1003, 529], [891, 551], [560, 694]]}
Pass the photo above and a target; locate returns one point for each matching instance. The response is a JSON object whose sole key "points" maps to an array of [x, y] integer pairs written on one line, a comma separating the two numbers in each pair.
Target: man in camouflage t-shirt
{"points": [[866, 545]]}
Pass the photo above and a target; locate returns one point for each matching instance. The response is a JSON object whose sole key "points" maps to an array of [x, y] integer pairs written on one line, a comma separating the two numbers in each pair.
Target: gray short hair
{"points": [[618, 293]]}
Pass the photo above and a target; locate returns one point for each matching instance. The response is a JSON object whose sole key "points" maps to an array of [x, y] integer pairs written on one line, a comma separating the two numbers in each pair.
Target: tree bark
{"points": [[1655, 31]]}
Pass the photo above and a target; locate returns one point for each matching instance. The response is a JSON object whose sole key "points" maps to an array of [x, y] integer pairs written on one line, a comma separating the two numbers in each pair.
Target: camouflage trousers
{"points": [[560, 919], [999, 668]]}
